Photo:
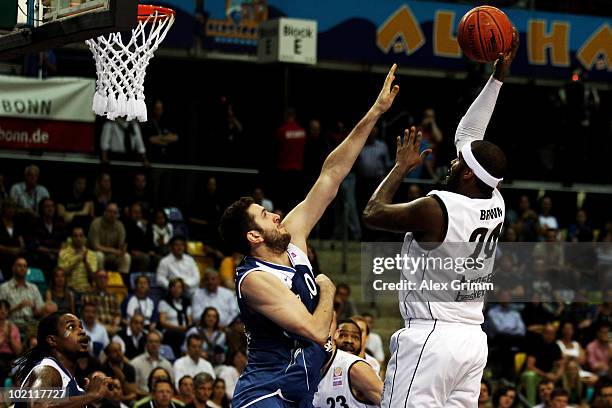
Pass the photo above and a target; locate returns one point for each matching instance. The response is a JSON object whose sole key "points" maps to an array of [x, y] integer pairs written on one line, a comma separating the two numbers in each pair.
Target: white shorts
{"points": [[435, 364]]}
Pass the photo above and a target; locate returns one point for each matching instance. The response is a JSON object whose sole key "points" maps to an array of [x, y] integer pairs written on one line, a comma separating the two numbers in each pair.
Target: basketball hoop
{"points": [[121, 68]]}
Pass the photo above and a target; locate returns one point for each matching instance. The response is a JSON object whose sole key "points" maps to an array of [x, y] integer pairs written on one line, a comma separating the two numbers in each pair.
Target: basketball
{"points": [[484, 32]]}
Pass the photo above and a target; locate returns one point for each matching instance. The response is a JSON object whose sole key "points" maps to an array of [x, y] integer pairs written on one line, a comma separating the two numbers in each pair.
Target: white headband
{"points": [[479, 171]]}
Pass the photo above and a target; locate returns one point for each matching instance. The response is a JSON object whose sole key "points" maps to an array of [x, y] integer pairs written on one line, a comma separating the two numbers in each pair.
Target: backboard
{"points": [[47, 24]]}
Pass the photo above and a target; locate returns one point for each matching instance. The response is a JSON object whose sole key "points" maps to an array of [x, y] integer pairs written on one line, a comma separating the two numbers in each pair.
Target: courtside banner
{"points": [[49, 114]]}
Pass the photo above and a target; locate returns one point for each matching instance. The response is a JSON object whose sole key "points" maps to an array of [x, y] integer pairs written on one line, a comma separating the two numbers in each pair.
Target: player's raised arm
{"points": [[423, 214], [474, 124], [300, 221], [366, 382], [266, 295]]}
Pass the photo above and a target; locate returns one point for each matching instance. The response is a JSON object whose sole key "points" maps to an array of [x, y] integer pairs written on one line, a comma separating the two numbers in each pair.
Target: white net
{"points": [[122, 67]]}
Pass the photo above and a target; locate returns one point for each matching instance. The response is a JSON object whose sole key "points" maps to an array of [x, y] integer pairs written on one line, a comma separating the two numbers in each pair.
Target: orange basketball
{"points": [[484, 32]]}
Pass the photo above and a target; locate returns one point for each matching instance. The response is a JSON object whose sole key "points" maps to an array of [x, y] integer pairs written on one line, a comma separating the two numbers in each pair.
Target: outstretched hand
{"points": [[503, 61], [387, 93], [408, 156]]}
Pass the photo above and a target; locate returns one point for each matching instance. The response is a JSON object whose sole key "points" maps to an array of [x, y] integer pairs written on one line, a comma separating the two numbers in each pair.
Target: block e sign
{"points": [[288, 40]]}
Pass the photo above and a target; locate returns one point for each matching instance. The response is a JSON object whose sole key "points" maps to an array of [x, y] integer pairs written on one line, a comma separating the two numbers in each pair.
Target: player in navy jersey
{"points": [[287, 311], [51, 363]]}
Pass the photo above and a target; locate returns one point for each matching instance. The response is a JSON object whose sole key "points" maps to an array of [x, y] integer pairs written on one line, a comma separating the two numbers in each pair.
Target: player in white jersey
{"points": [[348, 380], [438, 358]]}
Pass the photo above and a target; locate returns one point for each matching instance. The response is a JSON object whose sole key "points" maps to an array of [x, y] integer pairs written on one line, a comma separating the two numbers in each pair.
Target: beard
{"points": [[276, 240], [348, 348], [453, 179]]}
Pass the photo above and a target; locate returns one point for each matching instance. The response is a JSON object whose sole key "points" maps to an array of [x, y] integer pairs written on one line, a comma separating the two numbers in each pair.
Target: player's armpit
{"points": [[365, 381], [423, 214], [266, 295]]}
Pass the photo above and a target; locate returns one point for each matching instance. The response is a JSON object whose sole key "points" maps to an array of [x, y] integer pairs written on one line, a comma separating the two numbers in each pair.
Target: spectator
{"points": [[604, 389], [205, 215], [78, 204], [414, 192], [315, 151], [11, 238], [202, 390], [505, 397], [131, 340], [545, 388], [218, 398], [47, 235], [527, 223], [3, 193], [186, 389], [484, 398], [230, 373], [432, 137], [290, 144], [581, 231], [574, 383], [178, 264], [28, 193], [10, 341], [107, 238], [570, 348], [59, 293], [103, 193], [141, 194], [213, 339], [226, 134], [140, 248], [24, 297], [535, 317], [193, 363], [149, 360], [159, 139], [162, 394], [216, 296], [175, 315], [343, 305], [598, 351], [371, 167], [235, 336], [96, 331], [140, 303], [544, 359], [259, 197], [123, 140], [160, 232], [545, 219], [109, 313], [508, 331], [559, 398], [374, 342], [117, 367], [156, 374], [227, 269], [78, 262], [115, 400]]}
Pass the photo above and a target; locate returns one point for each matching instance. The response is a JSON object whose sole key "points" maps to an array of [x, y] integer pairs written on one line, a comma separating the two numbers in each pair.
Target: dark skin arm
{"points": [[45, 377], [423, 215]]}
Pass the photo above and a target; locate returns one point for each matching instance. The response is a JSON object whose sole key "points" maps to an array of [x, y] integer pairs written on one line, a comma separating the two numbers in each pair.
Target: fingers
{"points": [[390, 76]]}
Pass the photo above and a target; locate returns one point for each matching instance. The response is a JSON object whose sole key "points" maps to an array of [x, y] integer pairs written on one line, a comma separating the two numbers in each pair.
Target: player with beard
{"points": [[348, 380], [286, 310], [51, 364], [438, 358]]}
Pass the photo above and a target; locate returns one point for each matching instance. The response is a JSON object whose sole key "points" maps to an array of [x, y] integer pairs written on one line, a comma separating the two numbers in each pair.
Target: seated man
{"points": [[214, 295], [544, 360], [78, 262], [107, 304], [178, 264], [140, 302], [29, 193], [116, 367], [131, 340], [27, 305], [107, 238], [149, 360], [598, 351], [77, 206], [193, 363], [46, 237], [96, 331], [144, 258]]}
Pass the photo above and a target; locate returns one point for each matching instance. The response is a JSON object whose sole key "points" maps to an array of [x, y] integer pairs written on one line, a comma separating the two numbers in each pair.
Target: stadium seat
{"points": [[519, 361], [37, 277], [175, 217], [116, 286]]}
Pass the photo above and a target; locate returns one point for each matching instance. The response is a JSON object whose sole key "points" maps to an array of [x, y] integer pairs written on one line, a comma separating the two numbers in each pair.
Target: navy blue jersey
{"points": [[280, 363], [69, 383]]}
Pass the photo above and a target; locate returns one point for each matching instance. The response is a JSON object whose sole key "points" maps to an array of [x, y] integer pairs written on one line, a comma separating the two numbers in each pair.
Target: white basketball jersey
{"points": [[335, 386], [473, 228]]}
